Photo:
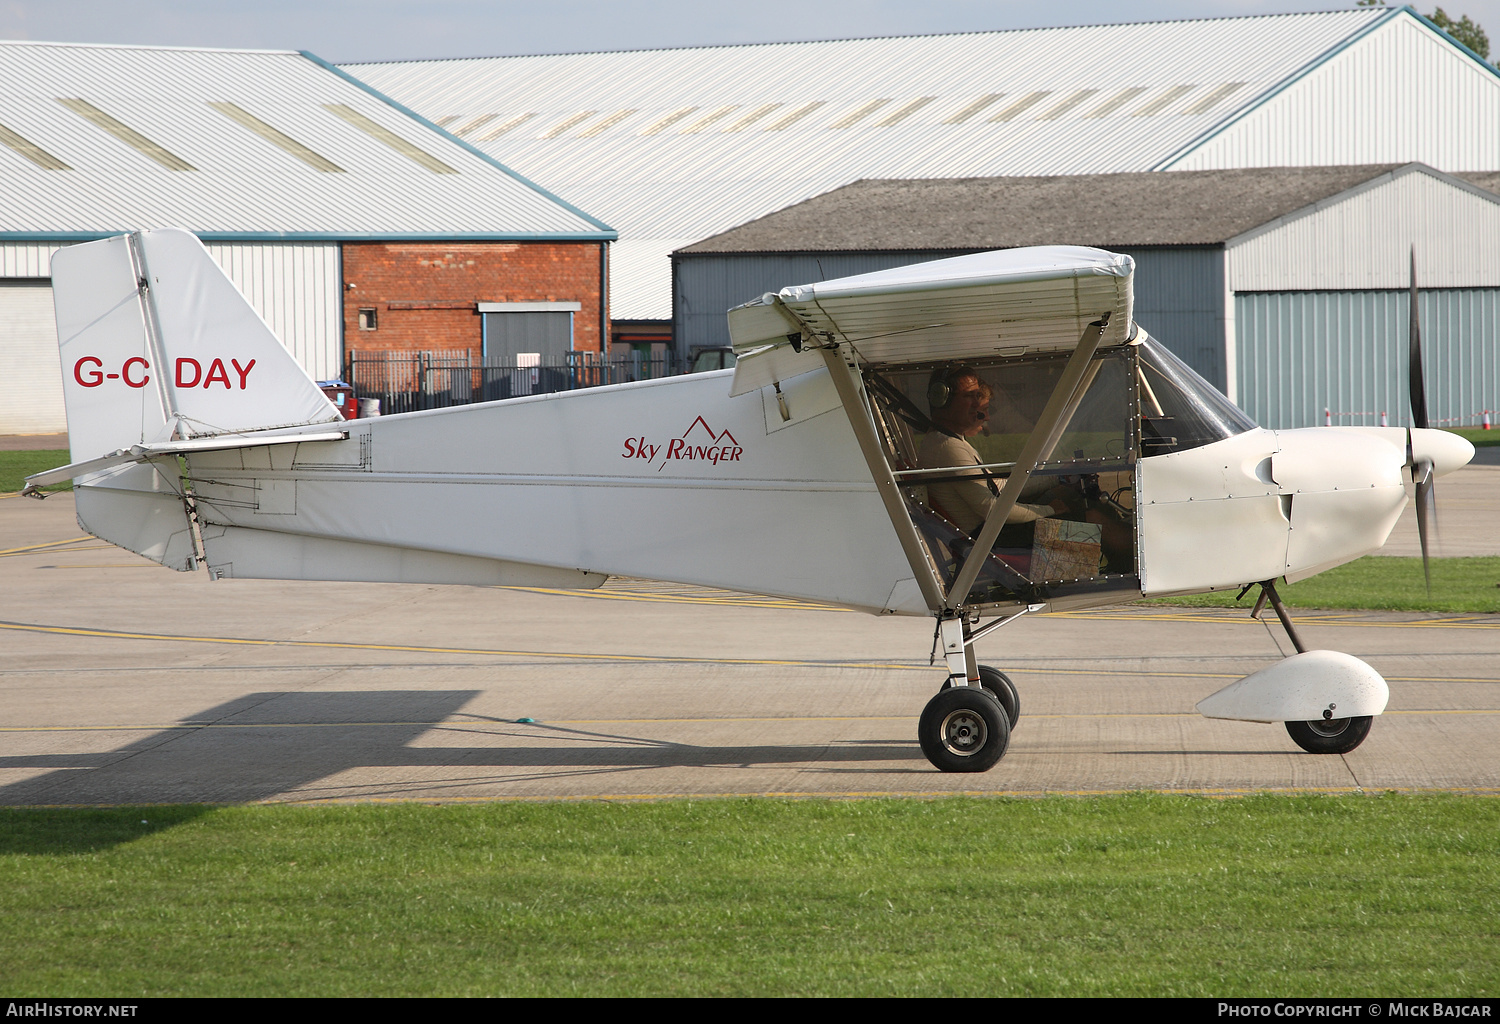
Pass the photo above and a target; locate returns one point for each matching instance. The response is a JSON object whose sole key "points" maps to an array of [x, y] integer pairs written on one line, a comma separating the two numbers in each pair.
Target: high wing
{"points": [[1009, 302]]}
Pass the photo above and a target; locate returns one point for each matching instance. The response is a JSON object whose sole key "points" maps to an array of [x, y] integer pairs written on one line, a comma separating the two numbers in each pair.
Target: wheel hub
{"points": [[1332, 728], [964, 732]]}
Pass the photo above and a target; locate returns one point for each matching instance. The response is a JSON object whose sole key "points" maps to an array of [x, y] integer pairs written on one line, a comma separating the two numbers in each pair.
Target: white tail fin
{"points": [[158, 345]]}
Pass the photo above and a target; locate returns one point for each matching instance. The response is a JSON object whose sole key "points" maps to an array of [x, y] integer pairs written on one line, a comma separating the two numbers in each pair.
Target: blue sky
{"points": [[355, 30]]}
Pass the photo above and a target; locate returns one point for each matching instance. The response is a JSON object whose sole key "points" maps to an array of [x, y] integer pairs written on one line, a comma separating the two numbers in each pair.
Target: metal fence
{"points": [[409, 381]]}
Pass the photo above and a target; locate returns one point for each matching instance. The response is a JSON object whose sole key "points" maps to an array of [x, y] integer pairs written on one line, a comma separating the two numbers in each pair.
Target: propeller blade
{"points": [[1421, 475], [1414, 354]]}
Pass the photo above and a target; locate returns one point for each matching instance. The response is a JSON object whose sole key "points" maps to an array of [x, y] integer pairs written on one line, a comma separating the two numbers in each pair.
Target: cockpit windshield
{"points": [[1179, 409]]}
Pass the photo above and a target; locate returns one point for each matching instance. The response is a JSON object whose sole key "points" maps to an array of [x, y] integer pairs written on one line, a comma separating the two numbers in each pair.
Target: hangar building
{"points": [[1285, 287], [346, 220], [674, 146]]}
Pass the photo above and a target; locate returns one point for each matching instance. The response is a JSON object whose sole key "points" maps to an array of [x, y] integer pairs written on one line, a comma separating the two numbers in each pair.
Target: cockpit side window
{"points": [[952, 434], [1179, 409]]}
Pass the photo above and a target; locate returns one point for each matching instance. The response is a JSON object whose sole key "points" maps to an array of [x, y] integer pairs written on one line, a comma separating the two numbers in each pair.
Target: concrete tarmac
{"points": [[123, 682], [1468, 516]]}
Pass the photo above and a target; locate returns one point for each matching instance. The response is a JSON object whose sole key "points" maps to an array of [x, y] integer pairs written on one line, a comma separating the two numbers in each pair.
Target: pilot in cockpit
{"points": [[959, 401]]}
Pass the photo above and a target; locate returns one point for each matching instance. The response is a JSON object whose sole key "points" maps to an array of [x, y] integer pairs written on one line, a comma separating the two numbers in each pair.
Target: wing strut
{"points": [[1044, 437], [850, 386]]}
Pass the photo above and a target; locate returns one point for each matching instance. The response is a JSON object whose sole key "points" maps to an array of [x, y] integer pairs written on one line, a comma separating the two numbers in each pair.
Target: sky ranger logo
{"points": [[699, 443]]}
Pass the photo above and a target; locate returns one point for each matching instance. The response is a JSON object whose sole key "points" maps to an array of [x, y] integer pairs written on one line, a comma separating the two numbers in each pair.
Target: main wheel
{"points": [[1010, 698], [964, 729], [1336, 736], [999, 684]]}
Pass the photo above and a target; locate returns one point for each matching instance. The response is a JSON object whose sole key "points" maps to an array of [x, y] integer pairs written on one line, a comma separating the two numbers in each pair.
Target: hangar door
{"points": [[1299, 353], [527, 333], [31, 397]]}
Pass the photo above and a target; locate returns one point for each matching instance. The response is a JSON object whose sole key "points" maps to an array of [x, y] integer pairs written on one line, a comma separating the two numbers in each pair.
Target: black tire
{"points": [[1338, 736], [1010, 698], [964, 729], [999, 684]]}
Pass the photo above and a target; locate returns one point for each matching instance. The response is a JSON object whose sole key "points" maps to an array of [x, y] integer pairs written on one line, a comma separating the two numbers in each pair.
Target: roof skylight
{"points": [[1058, 110], [1161, 102], [973, 108], [662, 124], [859, 114], [741, 123], [568, 122], [285, 142], [791, 118], [473, 124], [904, 111], [383, 134], [501, 129], [1020, 105], [1115, 102], [126, 134], [707, 119], [606, 123], [1213, 99], [31, 151]]}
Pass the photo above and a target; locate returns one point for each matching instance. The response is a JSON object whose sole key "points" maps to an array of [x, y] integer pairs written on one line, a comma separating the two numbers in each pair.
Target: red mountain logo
{"points": [[698, 443]]}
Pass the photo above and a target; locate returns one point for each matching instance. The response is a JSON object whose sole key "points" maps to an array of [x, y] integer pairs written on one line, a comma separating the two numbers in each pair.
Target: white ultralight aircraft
{"points": [[197, 440]]}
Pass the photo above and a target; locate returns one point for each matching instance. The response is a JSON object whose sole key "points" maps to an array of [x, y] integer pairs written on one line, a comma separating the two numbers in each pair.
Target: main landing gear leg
{"points": [[966, 727], [1326, 736]]}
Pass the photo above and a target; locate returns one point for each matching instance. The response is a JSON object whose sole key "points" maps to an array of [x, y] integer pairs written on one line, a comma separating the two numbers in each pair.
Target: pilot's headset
{"points": [[940, 386]]}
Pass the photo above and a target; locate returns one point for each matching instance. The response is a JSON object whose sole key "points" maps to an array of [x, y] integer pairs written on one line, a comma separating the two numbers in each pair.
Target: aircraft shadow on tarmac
{"points": [[262, 745]]}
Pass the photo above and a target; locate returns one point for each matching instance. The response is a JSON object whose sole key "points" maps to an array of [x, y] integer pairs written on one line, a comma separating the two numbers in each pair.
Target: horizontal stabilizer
{"points": [[145, 452]]}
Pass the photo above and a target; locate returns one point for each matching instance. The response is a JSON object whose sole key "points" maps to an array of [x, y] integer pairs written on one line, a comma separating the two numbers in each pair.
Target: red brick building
{"points": [[428, 295]]}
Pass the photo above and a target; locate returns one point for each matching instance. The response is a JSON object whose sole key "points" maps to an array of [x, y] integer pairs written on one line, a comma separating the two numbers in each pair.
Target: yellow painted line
{"points": [[49, 544], [110, 565], [1302, 619], [730, 599], [643, 658]]}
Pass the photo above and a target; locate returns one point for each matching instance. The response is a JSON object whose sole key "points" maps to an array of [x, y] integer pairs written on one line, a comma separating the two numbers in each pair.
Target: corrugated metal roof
{"points": [[717, 135], [239, 144], [1119, 210]]}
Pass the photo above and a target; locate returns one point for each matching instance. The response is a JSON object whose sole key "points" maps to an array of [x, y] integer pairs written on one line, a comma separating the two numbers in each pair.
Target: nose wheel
{"points": [[1335, 736], [964, 729]]}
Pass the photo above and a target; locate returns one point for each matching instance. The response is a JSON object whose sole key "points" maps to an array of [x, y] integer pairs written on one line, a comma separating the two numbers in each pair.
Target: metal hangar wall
{"points": [[1285, 287]]}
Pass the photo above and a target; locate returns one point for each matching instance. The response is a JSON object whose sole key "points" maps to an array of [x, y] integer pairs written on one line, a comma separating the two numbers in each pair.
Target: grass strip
{"points": [[1383, 583], [1478, 436], [1141, 895], [15, 467]]}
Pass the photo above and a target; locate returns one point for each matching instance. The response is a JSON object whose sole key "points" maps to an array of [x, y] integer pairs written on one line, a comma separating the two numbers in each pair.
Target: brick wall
{"points": [[424, 293]]}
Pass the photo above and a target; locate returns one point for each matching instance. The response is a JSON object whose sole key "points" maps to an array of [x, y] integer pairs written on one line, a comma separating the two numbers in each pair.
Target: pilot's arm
{"points": [[967, 502]]}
